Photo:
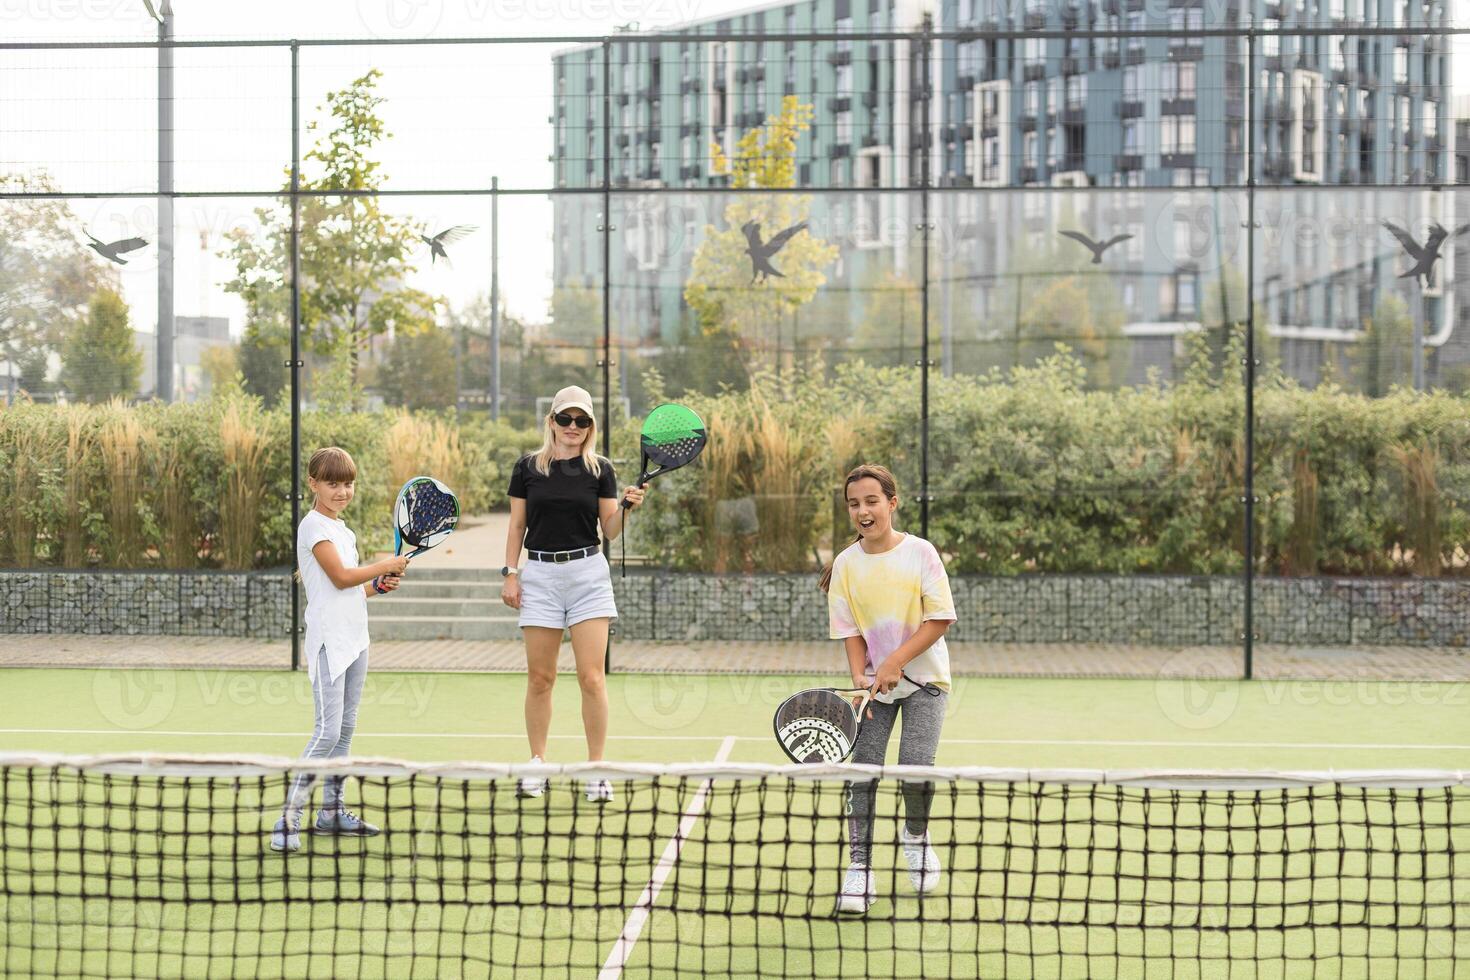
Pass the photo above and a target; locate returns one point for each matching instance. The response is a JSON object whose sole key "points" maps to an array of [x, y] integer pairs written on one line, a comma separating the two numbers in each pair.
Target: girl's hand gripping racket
{"points": [[820, 725], [673, 436], [426, 513]]}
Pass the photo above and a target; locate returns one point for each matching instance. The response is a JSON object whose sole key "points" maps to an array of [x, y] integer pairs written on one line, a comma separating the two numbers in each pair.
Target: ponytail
{"points": [[864, 471]]}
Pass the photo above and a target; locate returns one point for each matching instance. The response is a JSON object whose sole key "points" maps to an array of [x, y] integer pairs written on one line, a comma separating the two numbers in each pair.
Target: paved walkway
{"points": [[993, 660]]}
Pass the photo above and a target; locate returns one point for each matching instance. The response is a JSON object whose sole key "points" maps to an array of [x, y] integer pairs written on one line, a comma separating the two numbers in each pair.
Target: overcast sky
{"points": [[457, 115]]}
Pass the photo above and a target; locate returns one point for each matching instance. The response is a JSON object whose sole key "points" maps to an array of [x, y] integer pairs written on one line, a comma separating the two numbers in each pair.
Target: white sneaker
{"points": [[859, 890], [531, 789], [924, 871], [599, 791]]}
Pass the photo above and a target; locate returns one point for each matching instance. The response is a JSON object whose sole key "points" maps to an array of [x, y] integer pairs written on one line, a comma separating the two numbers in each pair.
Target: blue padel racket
{"points": [[426, 513]]}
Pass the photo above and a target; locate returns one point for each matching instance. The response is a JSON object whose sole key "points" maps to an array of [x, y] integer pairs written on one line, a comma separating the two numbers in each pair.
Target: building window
{"points": [[1033, 98], [1400, 65], [1054, 93], [844, 81], [1130, 137], [844, 127], [1270, 40], [1431, 119], [990, 158], [1076, 91], [1053, 148], [1130, 83], [1028, 149]]}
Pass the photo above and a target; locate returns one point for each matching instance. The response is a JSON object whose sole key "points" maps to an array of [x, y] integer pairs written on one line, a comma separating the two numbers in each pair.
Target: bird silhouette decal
{"points": [[448, 236], [1097, 249], [112, 251], [1425, 255], [761, 252]]}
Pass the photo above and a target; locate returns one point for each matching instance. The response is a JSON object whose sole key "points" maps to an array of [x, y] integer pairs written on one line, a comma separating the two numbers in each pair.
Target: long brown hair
{"points": [[863, 471]]}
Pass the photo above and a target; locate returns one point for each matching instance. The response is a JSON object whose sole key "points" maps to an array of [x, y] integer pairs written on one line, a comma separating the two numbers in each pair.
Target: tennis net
{"points": [[154, 866]]}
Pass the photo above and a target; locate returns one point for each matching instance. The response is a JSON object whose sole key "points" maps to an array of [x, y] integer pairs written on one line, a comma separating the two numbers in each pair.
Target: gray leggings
{"points": [[336, 719], [923, 717]]}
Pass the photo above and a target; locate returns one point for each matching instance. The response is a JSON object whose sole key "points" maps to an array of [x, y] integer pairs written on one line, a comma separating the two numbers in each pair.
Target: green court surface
{"points": [[137, 875]]}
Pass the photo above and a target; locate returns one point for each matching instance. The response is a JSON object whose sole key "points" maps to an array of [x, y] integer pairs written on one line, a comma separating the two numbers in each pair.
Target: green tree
{"points": [[1384, 357], [99, 359], [354, 257], [731, 309], [47, 278], [419, 370]]}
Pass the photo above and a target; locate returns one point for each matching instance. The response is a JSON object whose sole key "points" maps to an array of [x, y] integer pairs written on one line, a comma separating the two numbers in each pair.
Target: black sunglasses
{"points": [[566, 418]]}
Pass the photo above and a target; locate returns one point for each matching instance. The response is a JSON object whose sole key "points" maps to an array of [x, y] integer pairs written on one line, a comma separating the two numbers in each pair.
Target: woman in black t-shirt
{"points": [[559, 496]]}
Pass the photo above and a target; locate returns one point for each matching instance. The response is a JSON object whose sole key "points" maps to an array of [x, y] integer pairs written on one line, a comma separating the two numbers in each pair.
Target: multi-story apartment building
{"points": [[1163, 120]]}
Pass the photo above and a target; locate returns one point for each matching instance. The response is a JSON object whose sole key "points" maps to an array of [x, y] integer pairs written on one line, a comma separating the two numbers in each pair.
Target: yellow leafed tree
{"points": [[723, 289]]}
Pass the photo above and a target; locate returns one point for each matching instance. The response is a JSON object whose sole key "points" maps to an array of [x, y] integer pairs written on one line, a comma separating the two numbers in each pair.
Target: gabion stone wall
{"points": [[239, 604], [1138, 609]]}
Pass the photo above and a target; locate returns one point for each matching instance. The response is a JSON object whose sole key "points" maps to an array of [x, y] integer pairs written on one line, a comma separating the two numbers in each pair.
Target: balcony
{"points": [[1034, 19], [1071, 66], [1346, 176], [843, 57], [620, 98], [1128, 161], [1033, 72], [1276, 165], [689, 173], [1073, 162], [621, 140], [1173, 161], [689, 129], [1074, 115], [1177, 107], [871, 139], [870, 100], [689, 85], [843, 104], [1130, 108], [1071, 17], [1111, 58], [1134, 55], [1028, 124], [966, 132], [839, 151], [1028, 175], [1187, 52]]}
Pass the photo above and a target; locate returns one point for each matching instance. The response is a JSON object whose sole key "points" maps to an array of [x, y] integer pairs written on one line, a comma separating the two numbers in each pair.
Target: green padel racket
{"points": [[673, 436]]}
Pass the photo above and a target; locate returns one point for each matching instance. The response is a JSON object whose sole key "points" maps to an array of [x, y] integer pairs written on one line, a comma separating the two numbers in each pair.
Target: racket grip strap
{"points": [[378, 587]]}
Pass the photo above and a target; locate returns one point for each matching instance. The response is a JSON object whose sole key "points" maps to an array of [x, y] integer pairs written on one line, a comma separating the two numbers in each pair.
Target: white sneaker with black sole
{"points": [[599, 791], [859, 890], [924, 870], [528, 788]]}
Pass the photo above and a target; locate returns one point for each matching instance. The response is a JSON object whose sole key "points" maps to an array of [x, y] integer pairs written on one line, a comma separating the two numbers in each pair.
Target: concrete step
{"points": [[424, 573], [458, 628], [399, 606], [415, 588]]}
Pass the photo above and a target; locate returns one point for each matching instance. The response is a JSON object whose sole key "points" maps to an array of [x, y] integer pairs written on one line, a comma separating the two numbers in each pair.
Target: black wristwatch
{"points": [[506, 571]]}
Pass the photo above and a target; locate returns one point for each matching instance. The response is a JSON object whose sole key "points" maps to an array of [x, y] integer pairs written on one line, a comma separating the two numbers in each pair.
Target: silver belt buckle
{"points": [[561, 557]]}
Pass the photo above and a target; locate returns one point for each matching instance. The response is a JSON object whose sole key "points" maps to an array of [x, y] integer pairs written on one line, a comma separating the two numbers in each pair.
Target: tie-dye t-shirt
{"points": [[885, 598]]}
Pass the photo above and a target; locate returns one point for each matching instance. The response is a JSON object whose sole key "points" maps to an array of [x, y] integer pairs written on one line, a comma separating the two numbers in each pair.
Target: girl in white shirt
{"points": [[336, 639]]}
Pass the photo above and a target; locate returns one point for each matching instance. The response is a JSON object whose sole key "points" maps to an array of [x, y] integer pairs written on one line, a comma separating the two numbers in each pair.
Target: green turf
{"points": [[472, 880]]}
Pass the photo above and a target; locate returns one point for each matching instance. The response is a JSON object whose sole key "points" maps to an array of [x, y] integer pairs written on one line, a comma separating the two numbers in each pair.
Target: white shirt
{"points": [[335, 618]]}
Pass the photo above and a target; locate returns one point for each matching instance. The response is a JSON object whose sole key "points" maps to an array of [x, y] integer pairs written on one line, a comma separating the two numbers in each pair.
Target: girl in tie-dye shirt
{"points": [[888, 601]]}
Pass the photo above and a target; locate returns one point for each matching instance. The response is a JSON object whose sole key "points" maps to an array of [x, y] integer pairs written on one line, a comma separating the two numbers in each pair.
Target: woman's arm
{"points": [[515, 537], [611, 513], [345, 578]]}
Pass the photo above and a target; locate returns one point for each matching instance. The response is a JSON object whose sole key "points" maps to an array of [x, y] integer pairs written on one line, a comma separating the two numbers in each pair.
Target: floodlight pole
{"points": [[605, 228], [294, 364], [926, 95], [163, 387], [1248, 498], [495, 297]]}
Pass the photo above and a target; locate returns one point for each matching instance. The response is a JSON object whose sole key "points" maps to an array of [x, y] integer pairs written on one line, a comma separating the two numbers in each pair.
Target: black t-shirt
{"points": [[561, 507]]}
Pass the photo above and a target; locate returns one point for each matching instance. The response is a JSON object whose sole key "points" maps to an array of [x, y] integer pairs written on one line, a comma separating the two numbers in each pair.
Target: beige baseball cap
{"points": [[573, 396]]}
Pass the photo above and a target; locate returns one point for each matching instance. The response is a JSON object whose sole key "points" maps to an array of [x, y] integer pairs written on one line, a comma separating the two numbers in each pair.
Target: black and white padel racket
{"points": [[821, 724]]}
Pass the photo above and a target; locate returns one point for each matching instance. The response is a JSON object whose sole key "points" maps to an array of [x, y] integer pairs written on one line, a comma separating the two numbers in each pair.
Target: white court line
{"points": [[623, 948], [1108, 743]]}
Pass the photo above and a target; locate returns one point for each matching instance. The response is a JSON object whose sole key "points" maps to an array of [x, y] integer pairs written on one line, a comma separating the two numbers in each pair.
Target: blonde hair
{"points": [[542, 458], [332, 464], [864, 471]]}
